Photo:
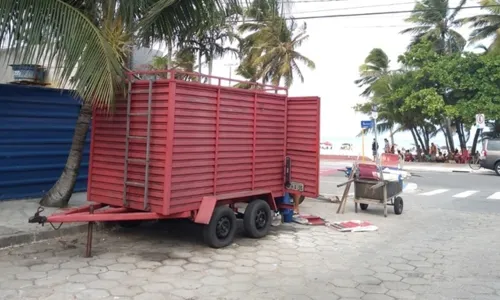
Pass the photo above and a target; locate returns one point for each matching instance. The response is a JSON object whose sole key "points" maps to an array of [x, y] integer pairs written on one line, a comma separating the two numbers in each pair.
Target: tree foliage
{"points": [[438, 87]]}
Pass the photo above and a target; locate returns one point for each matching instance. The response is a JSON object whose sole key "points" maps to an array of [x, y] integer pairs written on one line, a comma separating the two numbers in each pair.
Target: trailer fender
{"points": [[206, 209]]}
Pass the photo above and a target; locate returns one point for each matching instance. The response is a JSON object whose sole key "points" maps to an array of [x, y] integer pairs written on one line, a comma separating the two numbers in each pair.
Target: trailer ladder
{"points": [[147, 138]]}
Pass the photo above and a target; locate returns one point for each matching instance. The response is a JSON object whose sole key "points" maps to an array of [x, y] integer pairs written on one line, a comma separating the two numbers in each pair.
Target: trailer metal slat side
{"points": [[205, 140]]}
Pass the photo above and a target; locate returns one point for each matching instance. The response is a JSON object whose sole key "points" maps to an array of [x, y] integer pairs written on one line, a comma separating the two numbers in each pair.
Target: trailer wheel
{"points": [[363, 206], [221, 229], [258, 218], [398, 205]]}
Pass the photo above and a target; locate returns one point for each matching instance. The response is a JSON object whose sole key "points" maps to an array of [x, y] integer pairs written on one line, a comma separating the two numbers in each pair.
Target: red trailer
{"points": [[183, 149]]}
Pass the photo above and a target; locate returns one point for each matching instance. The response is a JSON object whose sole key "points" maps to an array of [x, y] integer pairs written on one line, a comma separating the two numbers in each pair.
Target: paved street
{"points": [[434, 250], [457, 191]]}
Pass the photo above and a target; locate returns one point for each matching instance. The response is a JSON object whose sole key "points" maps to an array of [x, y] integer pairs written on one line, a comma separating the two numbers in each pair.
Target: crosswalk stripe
{"points": [[434, 192], [464, 194], [494, 196]]}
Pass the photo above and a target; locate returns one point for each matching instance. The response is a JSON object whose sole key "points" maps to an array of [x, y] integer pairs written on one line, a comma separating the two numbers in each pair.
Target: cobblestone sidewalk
{"points": [[421, 254]]}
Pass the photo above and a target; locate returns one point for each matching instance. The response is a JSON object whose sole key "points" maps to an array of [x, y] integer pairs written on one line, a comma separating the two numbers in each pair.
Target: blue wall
{"points": [[36, 131]]}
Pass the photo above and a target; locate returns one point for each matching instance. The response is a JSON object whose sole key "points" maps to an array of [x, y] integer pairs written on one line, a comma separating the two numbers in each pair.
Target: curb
{"points": [[32, 237]]}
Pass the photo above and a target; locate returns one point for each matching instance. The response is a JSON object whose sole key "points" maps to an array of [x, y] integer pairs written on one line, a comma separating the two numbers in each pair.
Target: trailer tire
{"points": [[363, 206], [257, 220], [220, 231]]}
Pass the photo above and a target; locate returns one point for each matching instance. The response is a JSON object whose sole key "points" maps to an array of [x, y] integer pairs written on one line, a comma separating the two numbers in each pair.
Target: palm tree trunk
{"points": [[391, 135], [199, 66], [445, 139], [210, 69], [449, 135], [415, 140], [422, 144], [169, 54], [61, 191]]}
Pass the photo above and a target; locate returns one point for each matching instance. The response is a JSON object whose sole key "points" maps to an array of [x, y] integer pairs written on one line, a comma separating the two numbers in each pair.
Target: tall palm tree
{"points": [[486, 25], [271, 49], [376, 66], [89, 43], [436, 21]]}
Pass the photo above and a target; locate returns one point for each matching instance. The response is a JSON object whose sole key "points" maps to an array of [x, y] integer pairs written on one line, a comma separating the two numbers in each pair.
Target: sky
{"points": [[338, 46]]}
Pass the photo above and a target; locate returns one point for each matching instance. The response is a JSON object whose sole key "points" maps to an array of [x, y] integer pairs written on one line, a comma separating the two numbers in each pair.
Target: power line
{"points": [[382, 13], [354, 7], [314, 1]]}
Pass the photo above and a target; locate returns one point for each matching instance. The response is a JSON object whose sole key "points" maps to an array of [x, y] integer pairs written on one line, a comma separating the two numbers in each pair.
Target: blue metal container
{"points": [[36, 132]]}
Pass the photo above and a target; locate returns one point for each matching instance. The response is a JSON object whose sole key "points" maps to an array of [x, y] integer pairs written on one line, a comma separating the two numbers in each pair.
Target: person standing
{"points": [[375, 149], [433, 152], [387, 146]]}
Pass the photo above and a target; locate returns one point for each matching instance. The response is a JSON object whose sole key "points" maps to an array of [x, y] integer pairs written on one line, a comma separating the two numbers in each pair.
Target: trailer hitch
{"points": [[37, 218]]}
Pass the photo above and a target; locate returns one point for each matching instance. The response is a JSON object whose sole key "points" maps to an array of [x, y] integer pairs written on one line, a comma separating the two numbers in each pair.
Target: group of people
{"points": [[388, 148], [434, 155]]}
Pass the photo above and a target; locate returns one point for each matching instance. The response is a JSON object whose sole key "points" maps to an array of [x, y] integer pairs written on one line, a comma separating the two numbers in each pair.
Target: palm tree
{"points": [[435, 21], [89, 42], [271, 49], [486, 25], [376, 66]]}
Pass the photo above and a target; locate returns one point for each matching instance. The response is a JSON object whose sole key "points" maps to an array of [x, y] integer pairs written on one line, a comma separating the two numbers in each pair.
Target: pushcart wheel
{"points": [[221, 229], [398, 205], [257, 219], [363, 206]]}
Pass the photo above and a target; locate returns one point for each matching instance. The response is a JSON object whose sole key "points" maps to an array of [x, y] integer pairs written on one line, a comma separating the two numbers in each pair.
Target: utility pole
{"points": [[230, 65]]}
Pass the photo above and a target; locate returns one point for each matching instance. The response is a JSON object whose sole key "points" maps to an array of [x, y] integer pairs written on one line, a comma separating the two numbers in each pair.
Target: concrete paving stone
{"points": [[387, 277], [344, 282], [372, 289], [363, 279], [122, 267], [185, 284], [217, 272], [402, 294], [413, 257], [421, 264], [402, 267], [478, 289], [243, 270], [382, 269], [69, 287], [416, 281], [102, 262], [222, 264], [348, 292], [211, 290], [169, 270], [92, 270], [144, 264], [240, 286], [127, 291], [82, 278], [141, 273], [92, 294], [102, 284], [44, 267], [151, 296], [396, 285], [157, 287], [376, 297], [174, 262], [215, 280], [112, 275], [361, 271]]}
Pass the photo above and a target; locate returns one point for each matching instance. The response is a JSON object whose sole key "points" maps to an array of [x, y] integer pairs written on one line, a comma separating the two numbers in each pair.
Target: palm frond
{"points": [[60, 34]]}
